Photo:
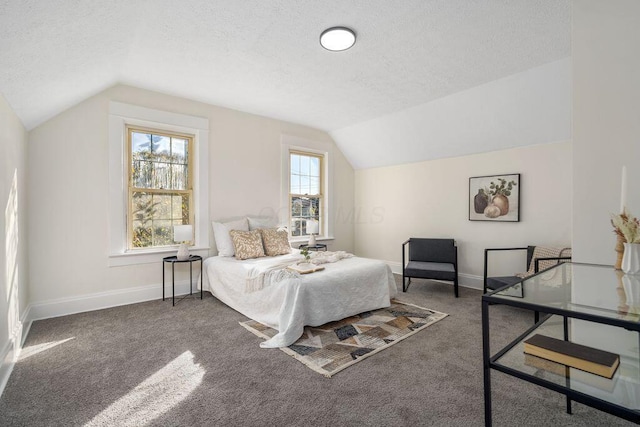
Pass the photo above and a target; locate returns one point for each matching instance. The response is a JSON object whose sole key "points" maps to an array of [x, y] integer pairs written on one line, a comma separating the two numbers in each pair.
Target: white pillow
{"points": [[256, 222], [223, 239]]}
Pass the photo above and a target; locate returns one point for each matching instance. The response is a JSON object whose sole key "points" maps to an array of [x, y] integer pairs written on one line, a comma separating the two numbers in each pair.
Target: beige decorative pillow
{"points": [[247, 244], [275, 242]]}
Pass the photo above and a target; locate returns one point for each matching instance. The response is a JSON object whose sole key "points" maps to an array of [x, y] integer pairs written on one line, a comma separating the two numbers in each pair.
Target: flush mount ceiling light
{"points": [[337, 38]]}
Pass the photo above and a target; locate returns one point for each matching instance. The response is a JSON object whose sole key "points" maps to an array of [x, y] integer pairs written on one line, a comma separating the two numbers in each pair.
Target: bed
{"points": [[342, 289]]}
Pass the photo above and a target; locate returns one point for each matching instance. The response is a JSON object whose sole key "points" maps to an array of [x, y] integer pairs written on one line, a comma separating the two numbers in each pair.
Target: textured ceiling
{"points": [[264, 57]]}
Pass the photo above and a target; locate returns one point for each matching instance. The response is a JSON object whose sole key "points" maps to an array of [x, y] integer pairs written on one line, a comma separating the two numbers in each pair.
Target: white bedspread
{"points": [[342, 289]]}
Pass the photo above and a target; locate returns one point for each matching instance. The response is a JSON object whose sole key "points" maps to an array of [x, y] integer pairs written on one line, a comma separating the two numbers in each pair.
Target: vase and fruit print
{"points": [[494, 198], [494, 201]]}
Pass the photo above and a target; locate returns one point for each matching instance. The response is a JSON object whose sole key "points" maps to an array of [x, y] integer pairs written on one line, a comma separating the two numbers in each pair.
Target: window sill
{"points": [[151, 255]]}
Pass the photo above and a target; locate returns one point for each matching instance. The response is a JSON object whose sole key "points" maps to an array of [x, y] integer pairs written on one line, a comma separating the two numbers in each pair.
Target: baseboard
{"points": [[471, 281], [11, 351], [465, 280], [101, 300]]}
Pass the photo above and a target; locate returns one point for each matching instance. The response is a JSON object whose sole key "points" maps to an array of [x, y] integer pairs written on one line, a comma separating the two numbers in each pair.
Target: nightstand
{"points": [[316, 247], [173, 260]]}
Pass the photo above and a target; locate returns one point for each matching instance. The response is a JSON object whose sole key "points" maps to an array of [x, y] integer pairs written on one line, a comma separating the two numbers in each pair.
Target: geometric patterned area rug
{"points": [[334, 346]]}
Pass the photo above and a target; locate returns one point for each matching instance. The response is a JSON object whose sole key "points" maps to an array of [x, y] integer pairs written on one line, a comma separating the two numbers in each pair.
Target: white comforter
{"points": [[344, 288]]}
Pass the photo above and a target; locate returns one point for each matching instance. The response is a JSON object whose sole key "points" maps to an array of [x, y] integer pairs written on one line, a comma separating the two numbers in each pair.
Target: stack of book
{"points": [[567, 353]]}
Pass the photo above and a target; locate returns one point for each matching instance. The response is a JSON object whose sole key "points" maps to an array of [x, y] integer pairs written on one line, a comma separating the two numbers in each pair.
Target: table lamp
{"points": [[182, 234], [313, 228]]}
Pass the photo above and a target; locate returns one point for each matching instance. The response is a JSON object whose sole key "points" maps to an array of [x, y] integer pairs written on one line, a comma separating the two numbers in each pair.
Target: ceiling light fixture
{"points": [[337, 38]]}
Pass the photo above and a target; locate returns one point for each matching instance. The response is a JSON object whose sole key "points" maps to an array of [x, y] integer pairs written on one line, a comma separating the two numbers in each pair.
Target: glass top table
{"points": [[588, 304], [595, 292]]}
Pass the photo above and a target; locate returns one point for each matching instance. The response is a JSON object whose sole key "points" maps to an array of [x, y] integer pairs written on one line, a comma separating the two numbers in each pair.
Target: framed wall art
{"points": [[495, 198]]}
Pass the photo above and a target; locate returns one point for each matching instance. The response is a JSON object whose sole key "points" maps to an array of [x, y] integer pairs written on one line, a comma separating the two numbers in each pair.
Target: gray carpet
{"points": [[194, 365]]}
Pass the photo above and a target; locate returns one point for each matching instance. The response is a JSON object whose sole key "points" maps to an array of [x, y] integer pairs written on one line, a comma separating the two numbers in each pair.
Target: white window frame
{"points": [[153, 190], [293, 143], [121, 115]]}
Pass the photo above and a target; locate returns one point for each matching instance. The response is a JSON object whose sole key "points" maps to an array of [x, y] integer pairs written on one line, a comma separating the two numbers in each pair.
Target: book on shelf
{"points": [[305, 268], [545, 364], [558, 369], [577, 356]]}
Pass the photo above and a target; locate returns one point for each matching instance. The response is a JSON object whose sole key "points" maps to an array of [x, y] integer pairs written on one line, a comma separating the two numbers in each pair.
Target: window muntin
{"points": [[305, 193], [160, 186]]}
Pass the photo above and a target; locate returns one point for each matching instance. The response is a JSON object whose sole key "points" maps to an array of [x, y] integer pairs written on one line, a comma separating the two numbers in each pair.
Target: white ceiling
{"points": [[263, 56]]}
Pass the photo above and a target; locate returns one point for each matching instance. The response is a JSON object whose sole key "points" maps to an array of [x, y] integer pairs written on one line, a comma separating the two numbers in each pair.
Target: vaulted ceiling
{"points": [[263, 56]]}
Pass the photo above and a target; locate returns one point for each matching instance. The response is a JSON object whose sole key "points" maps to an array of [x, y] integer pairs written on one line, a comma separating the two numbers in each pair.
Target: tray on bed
{"points": [[305, 268]]}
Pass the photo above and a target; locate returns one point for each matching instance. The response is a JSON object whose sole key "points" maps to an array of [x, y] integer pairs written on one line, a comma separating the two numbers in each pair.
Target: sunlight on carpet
{"points": [[32, 350], [155, 395], [332, 347]]}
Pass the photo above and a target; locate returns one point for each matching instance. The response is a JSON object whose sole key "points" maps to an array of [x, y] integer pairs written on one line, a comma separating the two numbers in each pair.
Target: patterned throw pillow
{"points": [[247, 244], [276, 242]]}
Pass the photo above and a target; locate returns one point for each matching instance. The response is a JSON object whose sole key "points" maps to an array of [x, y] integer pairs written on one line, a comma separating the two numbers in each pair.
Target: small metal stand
{"points": [[173, 260], [316, 247]]}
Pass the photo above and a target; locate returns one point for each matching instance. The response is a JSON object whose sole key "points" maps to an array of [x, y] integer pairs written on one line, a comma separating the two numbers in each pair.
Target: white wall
{"points": [[430, 199], [606, 135], [68, 174], [606, 121], [531, 107], [13, 237]]}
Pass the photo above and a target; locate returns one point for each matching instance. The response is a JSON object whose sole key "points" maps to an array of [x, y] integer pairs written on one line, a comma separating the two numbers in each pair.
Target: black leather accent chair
{"points": [[435, 259], [493, 283]]}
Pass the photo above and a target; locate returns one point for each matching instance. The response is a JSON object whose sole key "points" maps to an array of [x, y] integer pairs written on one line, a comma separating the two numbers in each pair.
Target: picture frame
{"points": [[495, 198]]}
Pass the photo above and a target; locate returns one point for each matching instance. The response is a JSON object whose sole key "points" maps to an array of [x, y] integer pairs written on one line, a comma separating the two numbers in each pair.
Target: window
{"points": [[160, 188], [307, 199], [168, 184], [306, 202]]}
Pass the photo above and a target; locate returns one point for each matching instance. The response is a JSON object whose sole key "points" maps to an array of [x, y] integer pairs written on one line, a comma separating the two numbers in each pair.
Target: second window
{"points": [[305, 193]]}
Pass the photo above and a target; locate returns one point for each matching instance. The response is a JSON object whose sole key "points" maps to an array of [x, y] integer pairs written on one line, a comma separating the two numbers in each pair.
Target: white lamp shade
{"points": [[182, 233], [313, 226]]}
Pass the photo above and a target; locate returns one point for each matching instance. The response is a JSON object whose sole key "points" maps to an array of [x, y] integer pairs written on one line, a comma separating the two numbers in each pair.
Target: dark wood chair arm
{"points": [[537, 261]]}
